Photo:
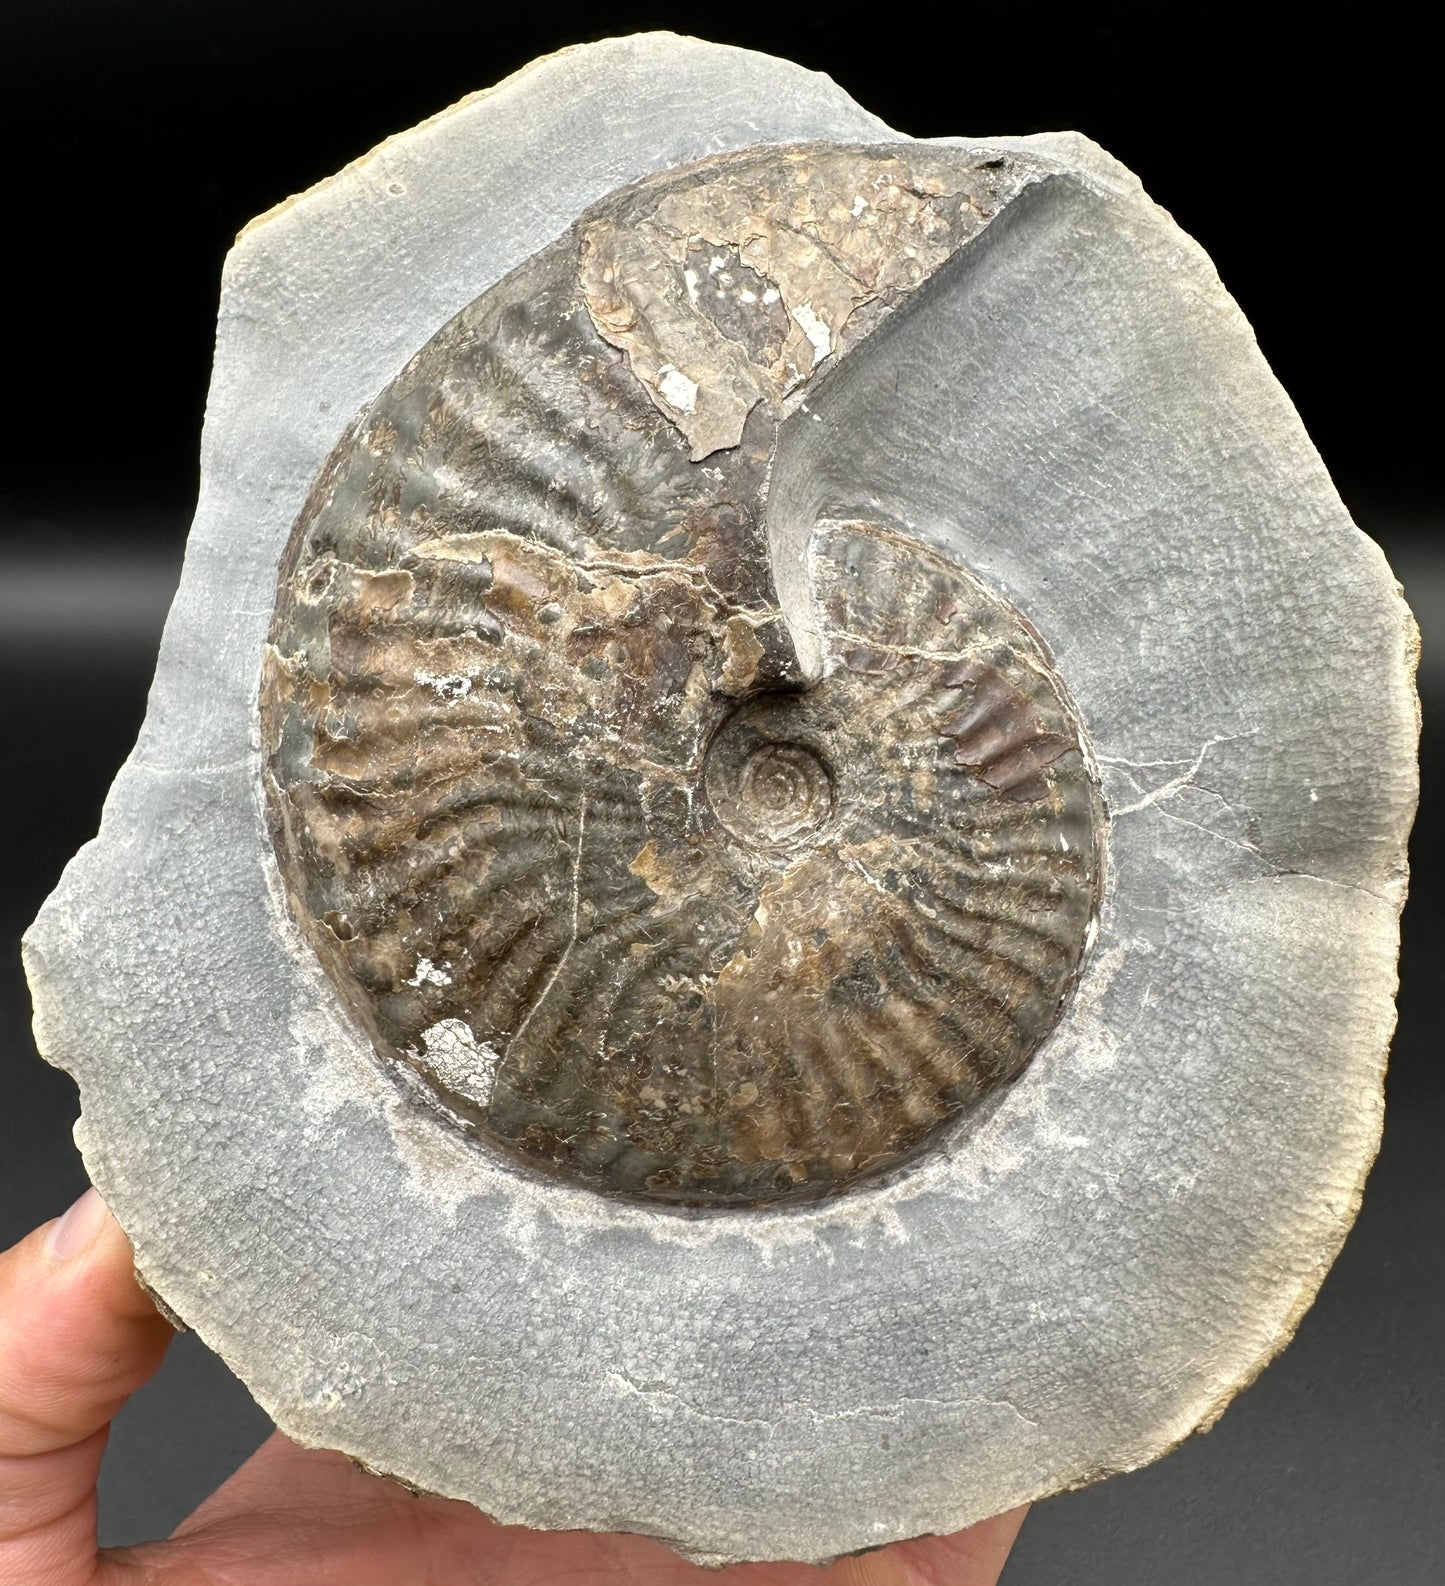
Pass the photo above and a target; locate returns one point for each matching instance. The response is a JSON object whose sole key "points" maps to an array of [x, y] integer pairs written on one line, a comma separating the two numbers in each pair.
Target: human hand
{"points": [[78, 1337]]}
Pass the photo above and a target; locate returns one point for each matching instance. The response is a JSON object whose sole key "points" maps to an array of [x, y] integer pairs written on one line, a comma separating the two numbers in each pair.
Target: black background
{"points": [[140, 135]]}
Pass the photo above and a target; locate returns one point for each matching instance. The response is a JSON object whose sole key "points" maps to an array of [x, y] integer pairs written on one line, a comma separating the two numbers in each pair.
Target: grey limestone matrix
{"points": [[759, 898]]}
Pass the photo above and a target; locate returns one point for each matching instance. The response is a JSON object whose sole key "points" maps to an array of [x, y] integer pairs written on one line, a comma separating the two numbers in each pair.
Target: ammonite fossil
{"points": [[653, 881], [759, 900]]}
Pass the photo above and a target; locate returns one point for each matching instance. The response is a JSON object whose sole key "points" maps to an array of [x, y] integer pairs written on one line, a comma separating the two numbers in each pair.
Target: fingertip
{"points": [[77, 1332], [85, 1250], [77, 1338], [72, 1234]]}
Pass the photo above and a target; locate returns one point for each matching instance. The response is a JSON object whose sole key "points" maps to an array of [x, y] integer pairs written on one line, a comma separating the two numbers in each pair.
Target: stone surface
{"points": [[1094, 1258]]}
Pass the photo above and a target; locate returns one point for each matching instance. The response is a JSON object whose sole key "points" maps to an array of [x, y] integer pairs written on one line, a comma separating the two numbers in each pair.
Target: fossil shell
{"points": [[562, 811], [993, 532]]}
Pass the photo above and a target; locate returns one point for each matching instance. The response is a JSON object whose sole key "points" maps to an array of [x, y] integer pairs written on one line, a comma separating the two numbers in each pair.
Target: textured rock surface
{"points": [[1097, 1256]]}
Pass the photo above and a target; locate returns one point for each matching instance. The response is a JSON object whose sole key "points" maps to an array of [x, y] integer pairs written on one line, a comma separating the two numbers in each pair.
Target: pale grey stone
{"points": [[1087, 1273]]}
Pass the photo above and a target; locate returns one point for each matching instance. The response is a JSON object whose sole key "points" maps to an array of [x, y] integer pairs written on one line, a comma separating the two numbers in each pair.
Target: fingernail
{"points": [[74, 1232]]}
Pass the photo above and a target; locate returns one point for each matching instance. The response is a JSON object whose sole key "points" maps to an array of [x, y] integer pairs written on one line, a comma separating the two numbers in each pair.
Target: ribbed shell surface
{"points": [[637, 876]]}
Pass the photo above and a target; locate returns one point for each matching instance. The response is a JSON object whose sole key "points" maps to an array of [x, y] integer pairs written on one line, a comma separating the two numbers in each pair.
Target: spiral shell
{"points": [[640, 872]]}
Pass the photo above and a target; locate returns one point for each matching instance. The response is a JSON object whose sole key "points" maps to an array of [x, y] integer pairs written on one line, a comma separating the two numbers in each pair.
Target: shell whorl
{"points": [[621, 870]]}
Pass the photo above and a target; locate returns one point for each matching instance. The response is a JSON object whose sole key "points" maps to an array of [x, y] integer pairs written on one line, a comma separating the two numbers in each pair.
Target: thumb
{"points": [[77, 1338]]}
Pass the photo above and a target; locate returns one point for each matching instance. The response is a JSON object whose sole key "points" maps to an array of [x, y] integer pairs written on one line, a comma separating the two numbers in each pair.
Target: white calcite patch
{"points": [[815, 330], [428, 974], [677, 390], [461, 1062], [446, 687]]}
